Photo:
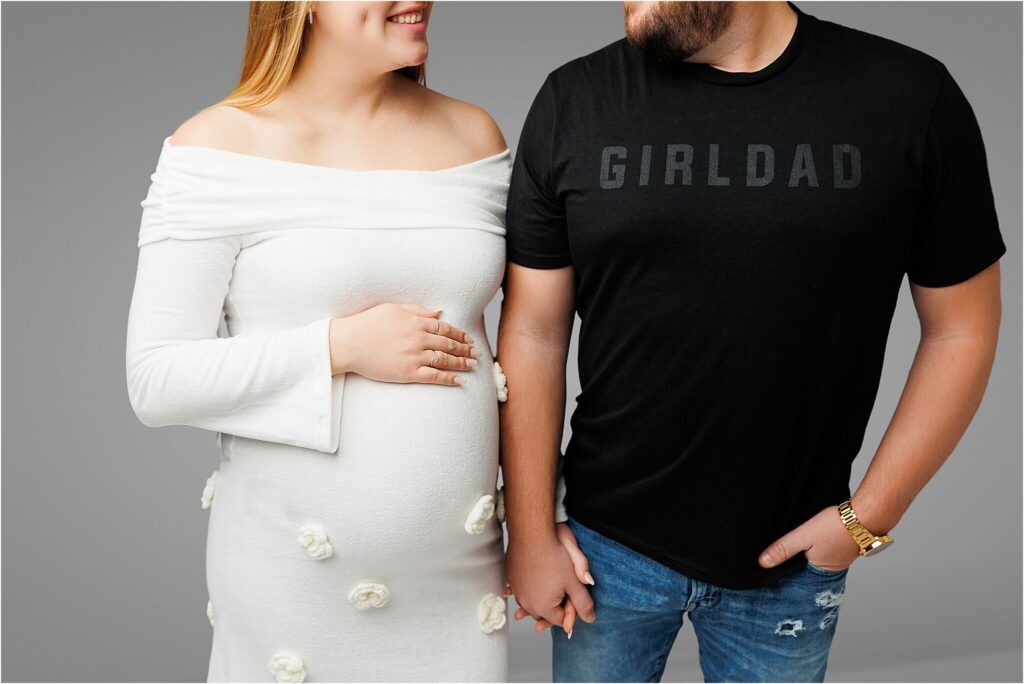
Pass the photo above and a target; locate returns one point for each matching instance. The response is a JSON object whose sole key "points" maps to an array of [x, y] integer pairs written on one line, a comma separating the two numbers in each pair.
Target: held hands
{"points": [[548, 579], [401, 343], [539, 573], [823, 539]]}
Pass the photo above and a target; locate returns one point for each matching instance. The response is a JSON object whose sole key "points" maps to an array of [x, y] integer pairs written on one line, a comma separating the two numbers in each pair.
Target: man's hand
{"points": [[823, 538], [959, 330], [542, 575], [533, 344], [582, 569]]}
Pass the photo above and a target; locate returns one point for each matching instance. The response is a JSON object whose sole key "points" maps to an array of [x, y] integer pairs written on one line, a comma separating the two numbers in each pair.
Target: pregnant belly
{"points": [[413, 461]]}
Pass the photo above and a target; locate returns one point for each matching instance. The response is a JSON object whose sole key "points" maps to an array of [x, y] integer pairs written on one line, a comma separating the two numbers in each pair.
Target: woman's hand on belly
{"points": [[401, 343]]}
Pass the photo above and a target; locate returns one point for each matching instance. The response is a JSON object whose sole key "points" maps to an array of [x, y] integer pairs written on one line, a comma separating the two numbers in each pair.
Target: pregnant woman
{"points": [[348, 223]]}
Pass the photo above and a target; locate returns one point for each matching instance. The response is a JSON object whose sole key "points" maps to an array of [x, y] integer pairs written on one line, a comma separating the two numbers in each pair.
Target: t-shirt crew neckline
{"points": [[797, 42]]}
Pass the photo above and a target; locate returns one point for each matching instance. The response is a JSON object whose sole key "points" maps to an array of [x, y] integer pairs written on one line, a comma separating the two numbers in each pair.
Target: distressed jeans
{"points": [[779, 633]]}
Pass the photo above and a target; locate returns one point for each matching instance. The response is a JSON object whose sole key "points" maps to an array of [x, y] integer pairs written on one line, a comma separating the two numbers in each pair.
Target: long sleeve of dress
{"points": [[274, 386]]}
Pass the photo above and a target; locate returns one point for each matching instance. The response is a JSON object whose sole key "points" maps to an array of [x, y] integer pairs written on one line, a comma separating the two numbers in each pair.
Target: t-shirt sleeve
{"points": [[536, 234], [958, 232]]}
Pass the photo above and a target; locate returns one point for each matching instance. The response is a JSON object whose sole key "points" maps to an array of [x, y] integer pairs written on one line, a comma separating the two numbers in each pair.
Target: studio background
{"points": [[103, 535]]}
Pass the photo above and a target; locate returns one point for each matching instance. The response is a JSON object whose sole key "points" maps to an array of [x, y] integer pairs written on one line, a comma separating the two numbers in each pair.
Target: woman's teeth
{"points": [[406, 18]]}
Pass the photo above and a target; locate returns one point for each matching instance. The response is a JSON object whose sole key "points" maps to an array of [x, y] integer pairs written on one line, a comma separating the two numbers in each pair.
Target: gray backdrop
{"points": [[104, 540]]}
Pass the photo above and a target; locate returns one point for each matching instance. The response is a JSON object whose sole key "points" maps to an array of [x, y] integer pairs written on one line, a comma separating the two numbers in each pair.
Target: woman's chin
{"points": [[413, 59]]}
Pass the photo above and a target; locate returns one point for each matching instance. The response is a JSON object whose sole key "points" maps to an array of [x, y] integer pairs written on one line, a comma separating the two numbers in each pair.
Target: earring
{"points": [[311, 14]]}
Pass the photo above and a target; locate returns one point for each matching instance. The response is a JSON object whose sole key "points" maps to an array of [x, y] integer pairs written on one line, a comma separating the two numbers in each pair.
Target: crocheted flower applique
{"points": [[314, 538], [491, 613], [483, 510], [500, 382], [366, 595], [209, 490], [287, 668]]}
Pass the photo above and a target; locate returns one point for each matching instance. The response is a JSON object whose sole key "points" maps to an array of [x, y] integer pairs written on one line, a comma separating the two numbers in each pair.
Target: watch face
{"points": [[878, 546]]}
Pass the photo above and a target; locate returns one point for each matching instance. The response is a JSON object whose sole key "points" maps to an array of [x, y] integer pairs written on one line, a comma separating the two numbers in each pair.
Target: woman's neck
{"points": [[328, 82]]}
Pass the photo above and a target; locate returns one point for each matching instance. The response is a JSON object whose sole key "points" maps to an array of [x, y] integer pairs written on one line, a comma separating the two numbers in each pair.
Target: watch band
{"points": [[864, 538]]}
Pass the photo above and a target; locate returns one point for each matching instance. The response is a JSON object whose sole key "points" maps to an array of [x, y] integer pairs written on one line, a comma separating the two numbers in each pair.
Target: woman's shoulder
{"points": [[455, 132], [218, 126], [469, 127]]}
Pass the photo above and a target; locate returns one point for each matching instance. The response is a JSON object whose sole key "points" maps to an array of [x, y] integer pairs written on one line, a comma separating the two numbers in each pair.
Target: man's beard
{"points": [[674, 31]]}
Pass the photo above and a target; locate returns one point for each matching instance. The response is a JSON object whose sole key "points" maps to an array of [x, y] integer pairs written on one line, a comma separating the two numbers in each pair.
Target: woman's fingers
{"points": [[570, 618], [579, 562], [449, 346], [433, 376], [440, 360], [435, 326], [421, 310], [581, 602], [457, 334]]}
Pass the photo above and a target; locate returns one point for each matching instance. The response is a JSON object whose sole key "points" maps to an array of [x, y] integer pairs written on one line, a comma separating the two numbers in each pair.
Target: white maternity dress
{"points": [[352, 533]]}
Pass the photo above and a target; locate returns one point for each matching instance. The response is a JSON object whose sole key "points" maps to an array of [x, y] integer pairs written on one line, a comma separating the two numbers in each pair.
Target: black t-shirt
{"points": [[738, 242]]}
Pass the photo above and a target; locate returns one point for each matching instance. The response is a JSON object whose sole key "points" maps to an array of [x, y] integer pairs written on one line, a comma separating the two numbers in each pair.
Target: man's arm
{"points": [[959, 331], [533, 344]]}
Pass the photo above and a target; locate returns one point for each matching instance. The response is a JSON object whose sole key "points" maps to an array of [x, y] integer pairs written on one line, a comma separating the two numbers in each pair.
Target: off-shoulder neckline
{"points": [[254, 158]]}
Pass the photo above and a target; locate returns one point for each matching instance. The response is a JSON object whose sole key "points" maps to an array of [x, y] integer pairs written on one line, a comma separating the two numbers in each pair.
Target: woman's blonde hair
{"points": [[276, 35]]}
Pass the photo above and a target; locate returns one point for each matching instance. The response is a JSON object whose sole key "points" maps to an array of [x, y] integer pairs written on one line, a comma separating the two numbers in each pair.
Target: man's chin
{"points": [[657, 49]]}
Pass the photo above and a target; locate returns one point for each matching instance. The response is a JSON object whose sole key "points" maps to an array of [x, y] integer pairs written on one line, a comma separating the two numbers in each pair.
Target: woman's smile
{"points": [[410, 17]]}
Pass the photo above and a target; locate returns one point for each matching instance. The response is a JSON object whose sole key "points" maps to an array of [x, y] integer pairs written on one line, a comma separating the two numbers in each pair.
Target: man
{"points": [[730, 198]]}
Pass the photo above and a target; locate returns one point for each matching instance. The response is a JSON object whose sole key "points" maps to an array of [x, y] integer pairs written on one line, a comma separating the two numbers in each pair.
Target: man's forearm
{"points": [[942, 394], [531, 427], [533, 344]]}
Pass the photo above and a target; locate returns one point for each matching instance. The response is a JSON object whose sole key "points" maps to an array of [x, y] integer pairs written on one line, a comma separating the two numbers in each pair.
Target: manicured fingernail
{"points": [[570, 634], [470, 362], [469, 339], [590, 578], [767, 560], [459, 380], [474, 352]]}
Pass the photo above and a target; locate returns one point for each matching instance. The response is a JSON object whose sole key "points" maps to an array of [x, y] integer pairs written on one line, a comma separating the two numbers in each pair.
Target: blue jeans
{"points": [[779, 633]]}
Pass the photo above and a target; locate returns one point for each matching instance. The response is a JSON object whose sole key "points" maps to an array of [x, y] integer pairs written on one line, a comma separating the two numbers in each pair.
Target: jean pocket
{"points": [[625, 579], [824, 572]]}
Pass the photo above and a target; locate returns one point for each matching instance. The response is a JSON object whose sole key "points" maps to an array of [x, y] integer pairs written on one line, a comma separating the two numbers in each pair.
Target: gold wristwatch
{"points": [[869, 542]]}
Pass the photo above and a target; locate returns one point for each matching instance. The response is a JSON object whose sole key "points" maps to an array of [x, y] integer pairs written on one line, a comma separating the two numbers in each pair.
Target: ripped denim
{"points": [[779, 633]]}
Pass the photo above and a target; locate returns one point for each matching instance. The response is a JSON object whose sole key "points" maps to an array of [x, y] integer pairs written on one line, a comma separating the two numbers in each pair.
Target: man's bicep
{"points": [[968, 307], [538, 302]]}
